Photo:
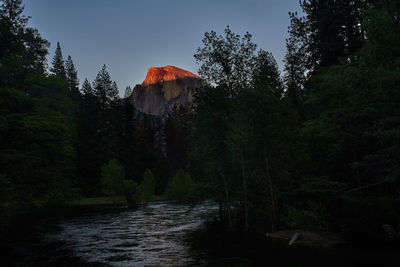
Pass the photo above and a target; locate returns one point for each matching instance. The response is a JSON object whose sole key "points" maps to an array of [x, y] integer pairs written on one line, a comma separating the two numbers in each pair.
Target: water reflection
{"points": [[153, 235]]}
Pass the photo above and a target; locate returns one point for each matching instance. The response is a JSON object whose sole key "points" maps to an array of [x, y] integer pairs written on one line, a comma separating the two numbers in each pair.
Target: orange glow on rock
{"points": [[166, 73]]}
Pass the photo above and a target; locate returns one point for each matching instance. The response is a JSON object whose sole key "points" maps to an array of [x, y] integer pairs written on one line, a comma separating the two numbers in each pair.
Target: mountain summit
{"points": [[166, 73], [164, 88]]}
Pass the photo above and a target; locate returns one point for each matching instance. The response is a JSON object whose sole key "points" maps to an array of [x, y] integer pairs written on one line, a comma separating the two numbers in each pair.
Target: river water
{"points": [[152, 235], [168, 234]]}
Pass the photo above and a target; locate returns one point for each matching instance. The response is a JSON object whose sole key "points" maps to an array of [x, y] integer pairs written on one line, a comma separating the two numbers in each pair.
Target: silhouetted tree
{"points": [[87, 88], [72, 77], [58, 63], [128, 92], [22, 50], [36, 144], [295, 76], [227, 60], [102, 85]]}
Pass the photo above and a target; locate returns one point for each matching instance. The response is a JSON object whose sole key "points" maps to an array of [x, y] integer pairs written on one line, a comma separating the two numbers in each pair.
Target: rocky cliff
{"points": [[164, 88]]}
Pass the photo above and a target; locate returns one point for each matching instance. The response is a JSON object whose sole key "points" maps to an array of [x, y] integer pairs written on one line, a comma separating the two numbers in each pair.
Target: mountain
{"points": [[164, 88]]}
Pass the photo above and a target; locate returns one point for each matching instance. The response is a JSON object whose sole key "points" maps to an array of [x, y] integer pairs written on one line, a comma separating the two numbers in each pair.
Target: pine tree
{"points": [[88, 149], [128, 92], [58, 63], [128, 149], [72, 76], [266, 73], [87, 88], [102, 86], [113, 95], [331, 30]]}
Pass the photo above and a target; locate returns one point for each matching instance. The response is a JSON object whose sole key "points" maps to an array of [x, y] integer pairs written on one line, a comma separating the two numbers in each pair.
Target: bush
{"points": [[131, 192], [181, 187], [112, 178], [60, 193], [147, 186], [314, 217]]}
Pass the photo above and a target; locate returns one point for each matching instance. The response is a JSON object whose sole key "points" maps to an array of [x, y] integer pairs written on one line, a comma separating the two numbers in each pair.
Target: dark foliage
{"points": [[315, 148], [319, 150]]}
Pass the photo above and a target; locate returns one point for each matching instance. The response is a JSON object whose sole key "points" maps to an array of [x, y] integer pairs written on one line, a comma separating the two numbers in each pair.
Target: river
{"points": [[152, 235], [168, 234]]}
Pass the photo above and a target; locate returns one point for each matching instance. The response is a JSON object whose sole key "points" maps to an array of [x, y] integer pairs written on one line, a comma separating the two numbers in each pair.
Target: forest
{"points": [[316, 146]]}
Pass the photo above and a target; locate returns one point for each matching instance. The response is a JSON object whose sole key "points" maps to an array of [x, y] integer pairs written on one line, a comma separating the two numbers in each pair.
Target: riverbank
{"points": [[235, 248], [17, 219], [15, 216]]}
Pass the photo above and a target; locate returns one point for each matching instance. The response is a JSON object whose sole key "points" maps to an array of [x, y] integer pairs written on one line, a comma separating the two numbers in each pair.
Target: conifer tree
{"points": [[102, 85], [89, 158], [128, 92], [329, 32], [71, 75], [87, 88], [58, 63], [113, 94]]}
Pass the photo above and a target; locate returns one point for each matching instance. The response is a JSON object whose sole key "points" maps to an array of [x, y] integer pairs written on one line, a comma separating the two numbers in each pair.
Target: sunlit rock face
{"points": [[164, 88]]}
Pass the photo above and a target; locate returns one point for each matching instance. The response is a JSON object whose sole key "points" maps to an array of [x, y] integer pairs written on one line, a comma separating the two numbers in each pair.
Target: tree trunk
{"points": [[246, 212], [271, 191], [227, 200]]}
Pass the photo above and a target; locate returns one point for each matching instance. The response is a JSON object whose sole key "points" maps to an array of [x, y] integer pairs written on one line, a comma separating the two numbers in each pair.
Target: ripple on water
{"points": [[149, 236]]}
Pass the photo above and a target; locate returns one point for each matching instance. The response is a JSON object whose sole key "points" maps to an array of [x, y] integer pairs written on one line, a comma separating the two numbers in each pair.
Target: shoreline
{"points": [[236, 248]]}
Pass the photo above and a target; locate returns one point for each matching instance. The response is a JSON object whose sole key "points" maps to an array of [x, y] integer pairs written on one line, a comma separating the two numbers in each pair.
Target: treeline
{"points": [[56, 139], [317, 147]]}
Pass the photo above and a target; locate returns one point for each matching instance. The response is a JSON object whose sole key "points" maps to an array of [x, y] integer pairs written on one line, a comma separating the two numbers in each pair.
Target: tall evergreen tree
{"points": [[102, 86], [89, 158], [108, 116], [87, 88], [113, 95], [72, 76], [128, 143], [329, 32], [128, 92], [58, 63]]}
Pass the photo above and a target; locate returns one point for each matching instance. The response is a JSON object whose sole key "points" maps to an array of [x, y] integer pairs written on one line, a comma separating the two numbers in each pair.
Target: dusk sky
{"points": [[131, 36]]}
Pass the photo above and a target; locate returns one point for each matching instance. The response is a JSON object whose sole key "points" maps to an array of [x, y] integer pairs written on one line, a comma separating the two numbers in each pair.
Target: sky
{"points": [[130, 36]]}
